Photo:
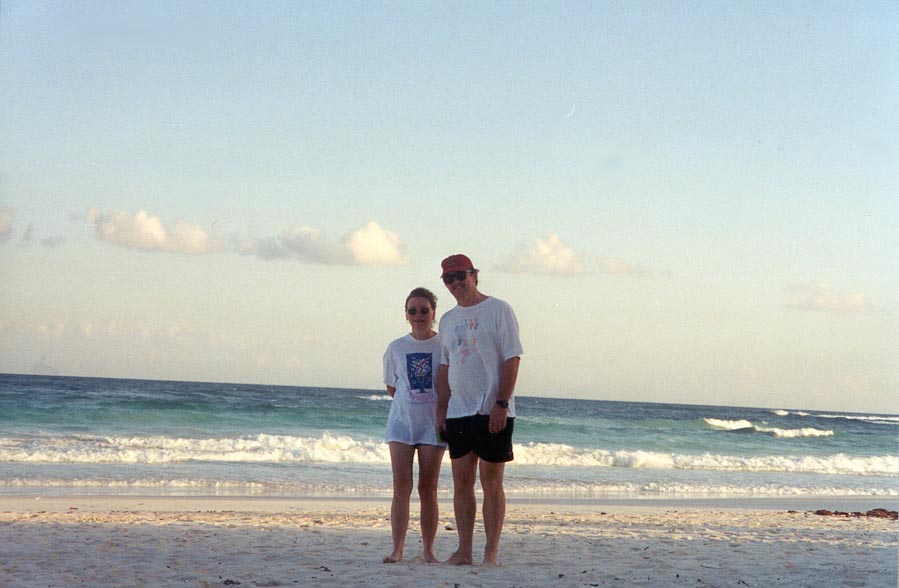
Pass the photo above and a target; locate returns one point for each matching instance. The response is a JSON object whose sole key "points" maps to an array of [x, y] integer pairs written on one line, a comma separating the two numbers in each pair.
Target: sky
{"points": [[684, 202]]}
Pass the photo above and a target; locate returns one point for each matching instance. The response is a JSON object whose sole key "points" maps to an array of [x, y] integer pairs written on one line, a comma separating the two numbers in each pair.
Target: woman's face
{"points": [[424, 314]]}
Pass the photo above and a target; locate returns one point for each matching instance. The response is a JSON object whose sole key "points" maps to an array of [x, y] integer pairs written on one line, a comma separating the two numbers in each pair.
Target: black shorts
{"points": [[472, 433]]}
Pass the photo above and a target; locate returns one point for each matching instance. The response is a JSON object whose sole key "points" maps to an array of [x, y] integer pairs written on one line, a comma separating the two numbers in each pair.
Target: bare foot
{"points": [[393, 558], [431, 558], [459, 559], [490, 559]]}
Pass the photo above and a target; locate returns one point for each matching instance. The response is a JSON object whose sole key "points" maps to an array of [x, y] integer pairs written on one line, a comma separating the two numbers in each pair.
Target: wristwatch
{"points": [[502, 403]]}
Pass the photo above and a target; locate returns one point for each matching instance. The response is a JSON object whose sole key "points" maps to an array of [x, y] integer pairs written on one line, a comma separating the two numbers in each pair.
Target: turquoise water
{"points": [[87, 435]]}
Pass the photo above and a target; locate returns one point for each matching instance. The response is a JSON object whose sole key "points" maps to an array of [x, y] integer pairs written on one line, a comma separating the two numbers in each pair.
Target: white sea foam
{"points": [[202, 486], [180, 484], [543, 454], [329, 448], [262, 448], [873, 419], [376, 397], [788, 433], [685, 490], [524, 487], [744, 425], [728, 425], [781, 412]]}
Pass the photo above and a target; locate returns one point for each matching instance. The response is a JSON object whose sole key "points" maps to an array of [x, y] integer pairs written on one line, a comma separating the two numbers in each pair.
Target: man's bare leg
{"points": [[494, 508], [429, 458], [401, 456], [465, 505]]}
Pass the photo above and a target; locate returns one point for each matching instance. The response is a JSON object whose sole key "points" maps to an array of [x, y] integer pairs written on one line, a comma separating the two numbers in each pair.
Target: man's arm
{"points": [[443, 396], [508, 375]]}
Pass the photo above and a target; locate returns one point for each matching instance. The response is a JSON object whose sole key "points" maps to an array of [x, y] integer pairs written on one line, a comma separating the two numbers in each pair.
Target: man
{"points": [[476, 411]]}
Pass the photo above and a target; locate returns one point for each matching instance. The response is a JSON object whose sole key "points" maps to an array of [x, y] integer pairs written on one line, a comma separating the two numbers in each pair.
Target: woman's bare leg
{"points": [[429, 460], [401, 456]]}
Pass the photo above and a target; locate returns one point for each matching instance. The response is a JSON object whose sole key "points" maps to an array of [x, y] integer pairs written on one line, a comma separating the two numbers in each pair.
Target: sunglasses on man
{"points": [[450, 277]]}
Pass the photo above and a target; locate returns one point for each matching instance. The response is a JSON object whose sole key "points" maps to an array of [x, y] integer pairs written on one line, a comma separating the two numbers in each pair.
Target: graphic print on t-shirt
{"points": [[466, 338], [419, 368]]}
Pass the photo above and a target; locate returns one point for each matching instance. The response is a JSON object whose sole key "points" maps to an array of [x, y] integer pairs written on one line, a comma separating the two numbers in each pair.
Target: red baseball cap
{"points": [[456, 263]]}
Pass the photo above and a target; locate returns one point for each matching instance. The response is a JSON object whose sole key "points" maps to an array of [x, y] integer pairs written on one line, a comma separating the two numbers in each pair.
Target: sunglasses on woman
{"points": [[424, 311], [450, 277]]}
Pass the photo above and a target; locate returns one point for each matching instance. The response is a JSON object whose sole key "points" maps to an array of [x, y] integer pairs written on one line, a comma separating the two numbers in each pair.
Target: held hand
{"points": [[497, 419], [441, 428]]}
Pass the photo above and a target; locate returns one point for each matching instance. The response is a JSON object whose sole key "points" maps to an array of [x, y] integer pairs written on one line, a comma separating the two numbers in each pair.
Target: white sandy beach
{"points": [[99, 541]]}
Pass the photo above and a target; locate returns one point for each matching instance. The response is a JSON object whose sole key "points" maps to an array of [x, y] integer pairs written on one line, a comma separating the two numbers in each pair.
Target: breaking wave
{"points": [[336, 449], [747, 426]]}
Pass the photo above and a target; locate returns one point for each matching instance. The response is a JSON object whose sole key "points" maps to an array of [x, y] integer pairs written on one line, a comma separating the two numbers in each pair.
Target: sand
{"points": [[99, 541]]}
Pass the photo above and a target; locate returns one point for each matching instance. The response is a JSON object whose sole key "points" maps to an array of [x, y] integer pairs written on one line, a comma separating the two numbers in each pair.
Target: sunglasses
{"points": [[424, 311], [450, 277]]}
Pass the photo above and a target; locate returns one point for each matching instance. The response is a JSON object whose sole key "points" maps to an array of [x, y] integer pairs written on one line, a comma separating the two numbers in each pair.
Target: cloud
{"points": [[822, 297], [29, 236], [135, 329], [550, 256], [369, 245], [374, 245], [147, 233], [304, 243], [54, 331], [546, 256], [311, 244], [6, 216]]}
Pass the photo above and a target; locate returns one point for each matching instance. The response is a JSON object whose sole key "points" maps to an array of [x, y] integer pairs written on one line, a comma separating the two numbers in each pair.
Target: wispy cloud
{"points": [[551, 256], [144, 232], [303, 243], [613, 265], [54, 331], [548, 256], [368, 245], [822, 297], [29, 237], [114, 329]]}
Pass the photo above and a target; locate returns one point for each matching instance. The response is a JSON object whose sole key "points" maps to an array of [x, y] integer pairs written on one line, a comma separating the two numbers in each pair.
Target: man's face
{"points": [[461, 284]]}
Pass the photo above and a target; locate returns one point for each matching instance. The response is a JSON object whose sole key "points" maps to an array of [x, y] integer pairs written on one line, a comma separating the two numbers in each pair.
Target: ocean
{"points": [[70, 435]]}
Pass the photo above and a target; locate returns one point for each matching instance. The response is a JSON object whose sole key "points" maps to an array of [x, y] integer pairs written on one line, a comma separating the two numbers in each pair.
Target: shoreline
{"points": [[103, 540], [26, 501]]}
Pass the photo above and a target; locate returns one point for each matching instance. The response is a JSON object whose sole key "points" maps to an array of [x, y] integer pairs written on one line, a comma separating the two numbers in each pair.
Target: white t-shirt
{"points": [[476, 341], [410, 366]]}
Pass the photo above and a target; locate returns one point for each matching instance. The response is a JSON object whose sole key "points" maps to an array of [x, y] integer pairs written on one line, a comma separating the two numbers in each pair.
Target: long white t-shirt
{"points": [[476, 341], [410, 366]]}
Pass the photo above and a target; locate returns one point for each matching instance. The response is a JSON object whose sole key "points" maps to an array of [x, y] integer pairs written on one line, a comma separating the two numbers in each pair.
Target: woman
{"points": [[410, 374]]}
